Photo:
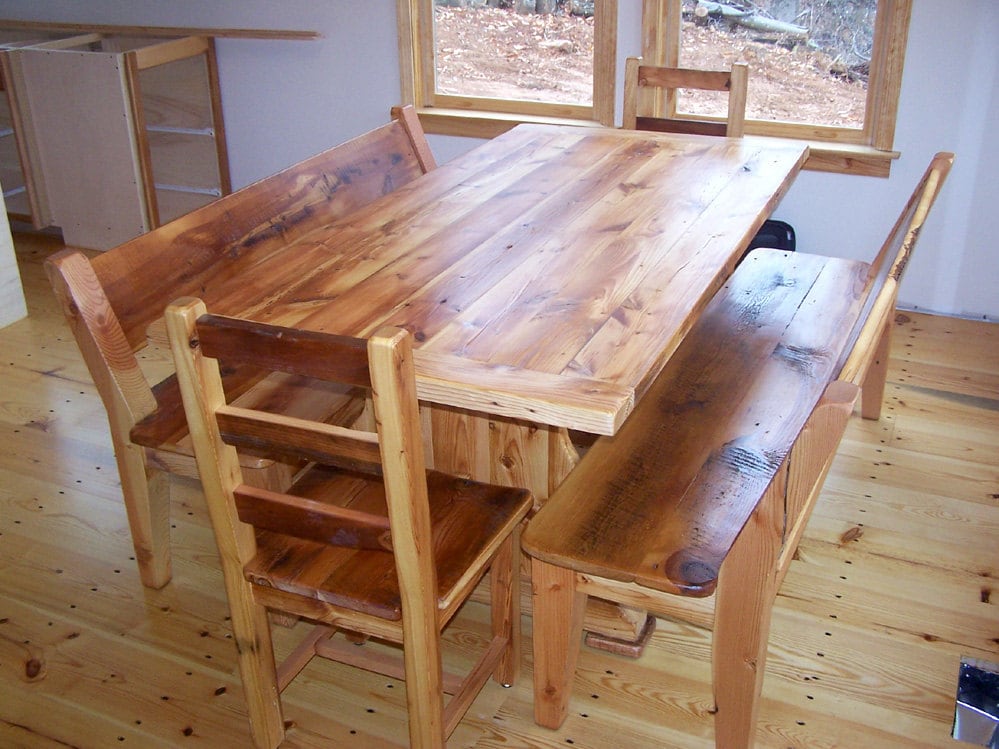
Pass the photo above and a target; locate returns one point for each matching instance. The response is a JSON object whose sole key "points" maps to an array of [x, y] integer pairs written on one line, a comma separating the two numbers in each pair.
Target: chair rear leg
{"points": [[257, 670], [424, 683]]}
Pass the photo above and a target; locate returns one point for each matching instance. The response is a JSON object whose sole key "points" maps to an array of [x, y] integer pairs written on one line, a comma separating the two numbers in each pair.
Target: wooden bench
{"points": [[111, 299], [695, 508]]}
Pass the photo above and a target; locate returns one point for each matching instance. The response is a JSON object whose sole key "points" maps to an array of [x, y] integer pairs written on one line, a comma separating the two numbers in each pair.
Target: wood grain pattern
{"points": [[696, 461], [548, 251], [887, 592], [110, 299], [650, 98], [402, 545]]}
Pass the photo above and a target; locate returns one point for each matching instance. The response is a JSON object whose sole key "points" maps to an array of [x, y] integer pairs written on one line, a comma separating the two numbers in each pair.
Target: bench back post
{"points": [[865, 359]]}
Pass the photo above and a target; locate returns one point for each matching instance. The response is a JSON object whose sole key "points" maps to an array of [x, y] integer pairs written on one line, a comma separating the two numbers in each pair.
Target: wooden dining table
{"points": [[547, 276]]}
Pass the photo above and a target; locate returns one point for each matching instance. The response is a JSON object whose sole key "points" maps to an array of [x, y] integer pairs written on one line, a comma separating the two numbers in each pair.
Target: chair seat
{"points": [[469, 521]]}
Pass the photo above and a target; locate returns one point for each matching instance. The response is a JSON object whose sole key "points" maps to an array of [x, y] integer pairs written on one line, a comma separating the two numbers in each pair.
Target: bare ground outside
{"points": [[498, 53]]}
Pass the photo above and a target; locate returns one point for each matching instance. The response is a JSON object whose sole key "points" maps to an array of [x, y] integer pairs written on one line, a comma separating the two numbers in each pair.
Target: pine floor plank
{"points": [[894, 582]]}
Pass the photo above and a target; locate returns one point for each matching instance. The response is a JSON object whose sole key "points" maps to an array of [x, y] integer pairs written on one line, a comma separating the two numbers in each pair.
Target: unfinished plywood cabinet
{"points": [[19, 172], [122, 134]]}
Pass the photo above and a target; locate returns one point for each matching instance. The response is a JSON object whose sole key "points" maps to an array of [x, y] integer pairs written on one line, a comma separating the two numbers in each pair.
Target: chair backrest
{"points": [[111, 299], [382, 363], [642, 83], [886, 271]]}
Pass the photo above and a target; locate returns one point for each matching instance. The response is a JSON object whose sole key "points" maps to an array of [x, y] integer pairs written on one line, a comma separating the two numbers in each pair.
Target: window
{"points": [[476, 67], [854, 56], [858, 139]]}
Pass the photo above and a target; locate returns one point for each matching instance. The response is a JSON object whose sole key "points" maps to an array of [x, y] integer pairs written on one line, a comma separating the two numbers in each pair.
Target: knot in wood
{"points": [[688, 570]]}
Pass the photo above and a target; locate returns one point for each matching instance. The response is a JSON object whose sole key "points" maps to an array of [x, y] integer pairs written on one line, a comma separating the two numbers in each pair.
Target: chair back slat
{"points": [[311, 354], [705, 80], [395, 451], [297, 439], [688, 127], [644, 84], [312, 520]]}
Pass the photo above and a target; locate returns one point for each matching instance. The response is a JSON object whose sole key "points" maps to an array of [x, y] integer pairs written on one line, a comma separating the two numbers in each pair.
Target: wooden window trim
{"points": [[484, 117], [868, 150]]}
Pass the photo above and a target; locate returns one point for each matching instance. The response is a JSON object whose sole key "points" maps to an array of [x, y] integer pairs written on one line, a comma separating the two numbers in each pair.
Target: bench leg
{"points": [[872, 392], [745, 597], [558, 629], [146, 493]]}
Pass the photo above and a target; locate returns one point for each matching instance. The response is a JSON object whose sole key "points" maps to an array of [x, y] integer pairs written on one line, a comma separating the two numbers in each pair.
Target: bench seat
{"points": [[706, 487], [112, 299], [165, 429], [661, 502]]}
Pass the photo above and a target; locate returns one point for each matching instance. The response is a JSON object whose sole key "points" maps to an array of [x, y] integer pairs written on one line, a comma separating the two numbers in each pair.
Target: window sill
{"points": [[481, 124], [849, 158], [841, 158]]}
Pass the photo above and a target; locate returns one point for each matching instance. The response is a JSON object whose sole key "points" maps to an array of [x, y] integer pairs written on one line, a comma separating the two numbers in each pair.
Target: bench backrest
{"points": [[887, 269], [142, 276], [111, 300]]}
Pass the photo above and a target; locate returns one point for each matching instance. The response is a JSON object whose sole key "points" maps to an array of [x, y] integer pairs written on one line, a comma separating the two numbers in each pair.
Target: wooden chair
{"points": [[111, 299], [366, 539], [867, 362], [643, 82]]}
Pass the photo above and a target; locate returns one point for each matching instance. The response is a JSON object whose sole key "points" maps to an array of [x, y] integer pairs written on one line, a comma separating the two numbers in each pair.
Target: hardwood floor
{"points": [[895, 581]]}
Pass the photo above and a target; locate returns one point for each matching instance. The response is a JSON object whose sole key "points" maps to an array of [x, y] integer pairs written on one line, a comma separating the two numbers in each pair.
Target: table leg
{"points": [[517, 453], [558, 627], [744, 600]]}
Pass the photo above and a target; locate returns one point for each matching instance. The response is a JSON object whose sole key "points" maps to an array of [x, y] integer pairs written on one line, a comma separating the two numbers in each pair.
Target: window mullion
{"points": [[885, 81], [605, 63]]}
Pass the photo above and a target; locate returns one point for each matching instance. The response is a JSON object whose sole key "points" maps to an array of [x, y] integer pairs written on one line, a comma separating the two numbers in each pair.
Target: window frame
{"points": [[868, 150], [451, 114]]}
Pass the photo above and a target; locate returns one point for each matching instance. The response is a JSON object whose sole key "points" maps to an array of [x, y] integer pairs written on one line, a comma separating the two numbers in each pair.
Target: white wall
{"points": [[286, 100]]}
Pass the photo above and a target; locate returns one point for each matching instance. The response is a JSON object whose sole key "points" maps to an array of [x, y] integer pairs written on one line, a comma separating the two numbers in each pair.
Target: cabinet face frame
{"points": [[159, 55]]}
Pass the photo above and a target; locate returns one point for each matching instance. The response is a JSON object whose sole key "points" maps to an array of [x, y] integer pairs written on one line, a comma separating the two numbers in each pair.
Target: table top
{"points": [[547, 275]]}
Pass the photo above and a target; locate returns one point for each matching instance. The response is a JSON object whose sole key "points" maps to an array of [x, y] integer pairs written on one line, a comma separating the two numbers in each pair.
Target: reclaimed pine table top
{"points": [[547, 275]]}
